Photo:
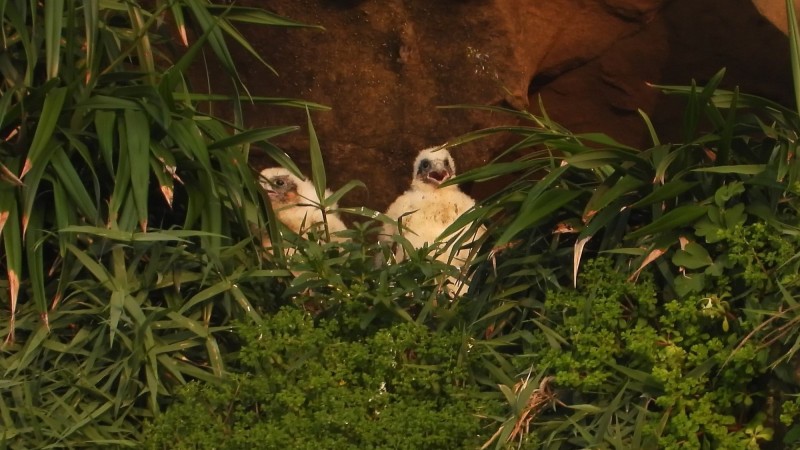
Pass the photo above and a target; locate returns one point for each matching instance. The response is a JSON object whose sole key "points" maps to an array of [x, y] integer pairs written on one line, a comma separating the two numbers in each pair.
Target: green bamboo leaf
{"points": [[103, 102], [188, 137], [115, 307], [498, 169], [672, 220], [51, 111], [663, 164], [537, 210], [163, 172], [741, 169], [143, 48], [214, 356], [30, 190], [33, 346], [138, 138], [104, 124], [245, 304], [251, 136], [668, 191], [97, 270], [211, 223], [726, 136], [280, 157], [73, 184], [605, 195], [317, 165], [605, 140], [91, 9], [12, 239], [272, 101], [34, 251], [336, 196], [188, 324], [794, 50], [205, 294], [53, 14], [5, 104], [650, 128], [234, 33], [593, 159], [181, 367], [216, 39], [257, 16]]}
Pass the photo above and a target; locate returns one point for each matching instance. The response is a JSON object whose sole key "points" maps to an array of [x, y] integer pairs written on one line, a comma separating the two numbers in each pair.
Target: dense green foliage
{"points": [[309, 387], [125, 213], [622, 298]]}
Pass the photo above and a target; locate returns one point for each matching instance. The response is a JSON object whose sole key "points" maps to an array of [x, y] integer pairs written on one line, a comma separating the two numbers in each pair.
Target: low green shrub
{"points": [[307, 386]]}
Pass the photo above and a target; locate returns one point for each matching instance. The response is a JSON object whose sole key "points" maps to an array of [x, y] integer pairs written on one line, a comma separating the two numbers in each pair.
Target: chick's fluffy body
{"points": [[426, 210]]}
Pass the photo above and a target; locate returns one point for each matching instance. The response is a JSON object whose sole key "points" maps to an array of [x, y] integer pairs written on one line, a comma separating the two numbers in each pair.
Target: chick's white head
{"points": [[433, 167], [284, 188]]}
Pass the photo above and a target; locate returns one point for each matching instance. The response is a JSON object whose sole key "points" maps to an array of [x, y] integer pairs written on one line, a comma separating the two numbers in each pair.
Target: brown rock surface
{"points": [[386, 66]]}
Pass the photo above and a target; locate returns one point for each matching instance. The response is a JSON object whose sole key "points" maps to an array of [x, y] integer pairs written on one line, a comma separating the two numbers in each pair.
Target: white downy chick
{"points": [[427, 209], [296, 203]]}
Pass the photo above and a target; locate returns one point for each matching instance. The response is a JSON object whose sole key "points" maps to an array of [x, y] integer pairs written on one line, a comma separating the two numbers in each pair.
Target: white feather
{"points": [[299, 208], [426, 210]]}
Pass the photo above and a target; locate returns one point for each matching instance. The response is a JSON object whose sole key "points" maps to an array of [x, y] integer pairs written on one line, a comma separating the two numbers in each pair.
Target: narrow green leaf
{"points": [[51, 110], [272, 101], [73, 184], [91, 10], [214, 356], [317, 165], [741, 169], [205, 294], [794, 50], [605, 195], [34, 251], [251, 136], [216, 39], [336, 196], [672, 220], [188, 324], [668, 191], [12, 239], [137, 128], [53, 14], [104, 124], [537, 210]]}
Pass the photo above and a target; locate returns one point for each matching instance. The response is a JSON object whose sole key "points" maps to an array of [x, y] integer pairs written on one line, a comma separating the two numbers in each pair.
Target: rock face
{"points": [[385, 67]]}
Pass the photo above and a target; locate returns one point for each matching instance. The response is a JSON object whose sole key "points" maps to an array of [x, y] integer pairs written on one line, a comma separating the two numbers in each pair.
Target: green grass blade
{"points": [[678, 217], [251, 136], [34, 252], [12, 239], [73, 185], [794, 50], [104, 124], [317, 164], [51, 111], [53, 16], [138, 136], [91, 9]]}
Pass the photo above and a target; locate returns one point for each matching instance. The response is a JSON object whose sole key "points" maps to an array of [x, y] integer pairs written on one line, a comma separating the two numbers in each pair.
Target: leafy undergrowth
{"points": [[621, 298], [308, 386]]}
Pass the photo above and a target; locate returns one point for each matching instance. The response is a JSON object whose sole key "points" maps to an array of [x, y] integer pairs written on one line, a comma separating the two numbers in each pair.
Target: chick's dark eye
{"points": [[447, 163], [425, 164], [279, 183]]}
